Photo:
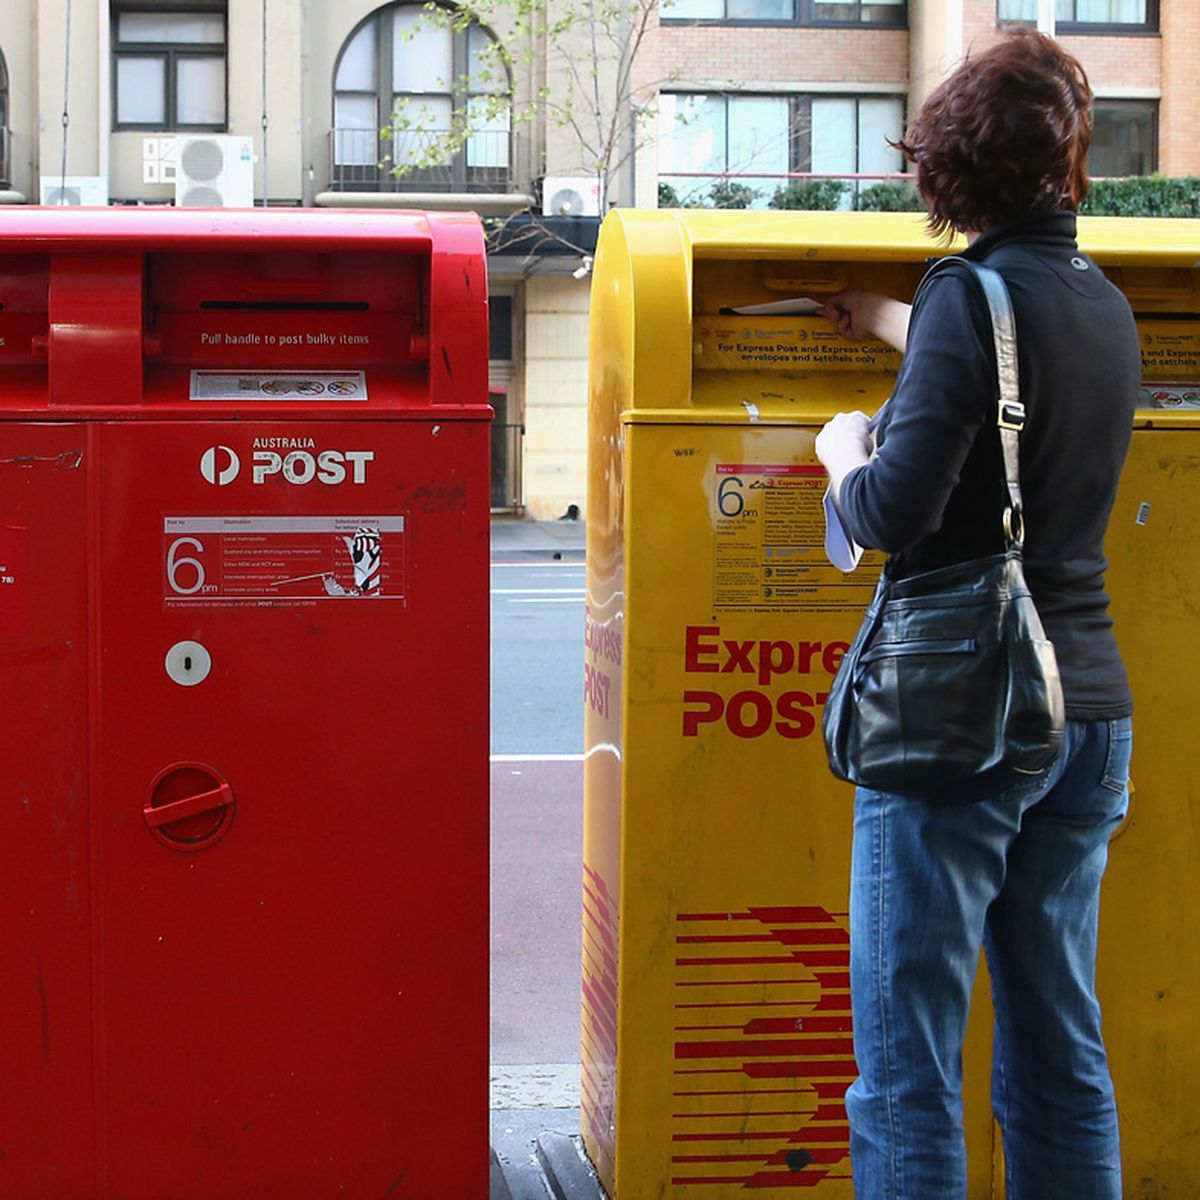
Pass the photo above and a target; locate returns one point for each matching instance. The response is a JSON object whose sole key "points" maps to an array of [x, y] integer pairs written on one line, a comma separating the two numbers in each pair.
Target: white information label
{"points": [[270, 561]]}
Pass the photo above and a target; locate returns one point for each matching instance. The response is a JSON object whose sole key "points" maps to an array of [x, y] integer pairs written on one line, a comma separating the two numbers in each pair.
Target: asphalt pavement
{"points": [[537, 806]]}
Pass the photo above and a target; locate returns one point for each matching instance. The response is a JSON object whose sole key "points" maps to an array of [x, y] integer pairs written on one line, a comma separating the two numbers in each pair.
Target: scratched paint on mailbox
{"points": [[257, 560], [769, 543]]}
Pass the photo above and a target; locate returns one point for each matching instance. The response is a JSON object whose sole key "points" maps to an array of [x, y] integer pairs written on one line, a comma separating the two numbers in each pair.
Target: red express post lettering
{"points": [[602, 644], [754, 712]]}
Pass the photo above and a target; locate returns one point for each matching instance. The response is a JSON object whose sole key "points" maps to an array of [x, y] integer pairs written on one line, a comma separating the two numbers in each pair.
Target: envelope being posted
{"points": [[840, 548], [794, 306]]}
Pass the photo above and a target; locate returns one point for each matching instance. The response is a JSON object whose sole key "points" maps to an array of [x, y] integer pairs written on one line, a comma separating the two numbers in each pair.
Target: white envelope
{"points": [[840, 548]]}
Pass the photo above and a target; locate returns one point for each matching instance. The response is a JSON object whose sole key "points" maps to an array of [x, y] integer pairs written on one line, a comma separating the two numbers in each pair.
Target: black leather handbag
{"points": [[951, 688]]}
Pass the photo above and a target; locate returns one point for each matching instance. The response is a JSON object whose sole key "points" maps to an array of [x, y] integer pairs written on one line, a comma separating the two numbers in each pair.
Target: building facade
{"points": [[283, 102]]}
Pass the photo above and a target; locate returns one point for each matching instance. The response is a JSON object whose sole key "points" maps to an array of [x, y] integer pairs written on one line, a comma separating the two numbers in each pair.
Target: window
{"points": [[428, 79], [1087, 16], [704, 136], [1125, 138], [891, 13], [169, 68]]}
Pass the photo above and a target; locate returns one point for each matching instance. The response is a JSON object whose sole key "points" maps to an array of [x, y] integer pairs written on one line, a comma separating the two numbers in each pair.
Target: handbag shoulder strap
{"points": [[1010, 411]]}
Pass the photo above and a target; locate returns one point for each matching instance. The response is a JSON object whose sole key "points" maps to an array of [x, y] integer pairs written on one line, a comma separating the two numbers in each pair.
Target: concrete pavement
{"points": [[548, 539]]}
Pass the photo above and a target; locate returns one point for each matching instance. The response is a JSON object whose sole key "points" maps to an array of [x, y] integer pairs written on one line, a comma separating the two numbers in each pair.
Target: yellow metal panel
{"points": [[610, 382], [734, 1048], [1149, 971]]}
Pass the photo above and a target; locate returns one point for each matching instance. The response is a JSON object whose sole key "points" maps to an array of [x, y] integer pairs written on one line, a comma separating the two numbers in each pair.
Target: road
{"points": [[537, 806], [537, 656]]}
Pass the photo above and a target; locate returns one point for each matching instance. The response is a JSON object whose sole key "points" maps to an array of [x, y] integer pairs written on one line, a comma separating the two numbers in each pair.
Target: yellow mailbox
{"points": [[717, 1042]]}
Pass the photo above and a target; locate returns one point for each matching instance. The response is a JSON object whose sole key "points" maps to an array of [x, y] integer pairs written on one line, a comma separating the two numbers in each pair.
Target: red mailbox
{"points": [[243, 706]]}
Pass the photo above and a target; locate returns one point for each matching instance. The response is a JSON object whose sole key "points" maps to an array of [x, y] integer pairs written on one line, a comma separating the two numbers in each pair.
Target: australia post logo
{"points": [[296, 460]]}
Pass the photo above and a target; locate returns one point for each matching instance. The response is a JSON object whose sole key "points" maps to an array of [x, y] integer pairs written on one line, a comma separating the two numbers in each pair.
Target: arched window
{"points": [[439, 79]]}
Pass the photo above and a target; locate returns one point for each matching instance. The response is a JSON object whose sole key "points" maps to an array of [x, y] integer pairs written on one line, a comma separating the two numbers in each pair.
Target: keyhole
{"points": [[188, 663]]}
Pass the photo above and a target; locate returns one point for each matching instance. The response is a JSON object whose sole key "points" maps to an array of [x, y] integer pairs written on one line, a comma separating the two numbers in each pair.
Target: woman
{"points": [[999, 150]]}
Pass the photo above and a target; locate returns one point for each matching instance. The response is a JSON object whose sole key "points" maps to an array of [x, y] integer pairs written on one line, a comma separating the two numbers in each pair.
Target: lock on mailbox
{"points": [[243, 511]]}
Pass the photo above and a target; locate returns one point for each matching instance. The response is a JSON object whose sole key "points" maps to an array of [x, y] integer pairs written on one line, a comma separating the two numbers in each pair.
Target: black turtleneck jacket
{"points": [[934, 492]]}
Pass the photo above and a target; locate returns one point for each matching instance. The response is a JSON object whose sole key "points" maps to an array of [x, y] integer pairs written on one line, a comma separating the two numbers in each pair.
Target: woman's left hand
{"points": [[844, 444]]}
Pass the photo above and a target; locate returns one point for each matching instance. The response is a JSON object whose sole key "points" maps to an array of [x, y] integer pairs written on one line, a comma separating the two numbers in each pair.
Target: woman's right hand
{"points": [[869, 314]]}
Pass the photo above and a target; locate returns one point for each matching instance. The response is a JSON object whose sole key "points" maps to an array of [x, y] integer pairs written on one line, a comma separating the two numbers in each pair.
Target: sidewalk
{"points": [[536, 1151], [517, 537]]}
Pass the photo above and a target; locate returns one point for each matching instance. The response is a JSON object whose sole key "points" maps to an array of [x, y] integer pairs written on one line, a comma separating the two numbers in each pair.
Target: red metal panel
{"points": [[428, 335], [45, 889], [142, 230], [300, 1008], [245, 884], [96, 329]]}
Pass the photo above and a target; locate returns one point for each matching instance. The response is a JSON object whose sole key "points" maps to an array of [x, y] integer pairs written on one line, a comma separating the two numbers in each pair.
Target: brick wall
{"points": [[1179, 150], [745, 55], [1116, 64]]}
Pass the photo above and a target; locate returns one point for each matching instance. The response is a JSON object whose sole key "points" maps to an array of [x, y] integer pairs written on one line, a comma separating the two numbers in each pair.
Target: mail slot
{"points": [[244, 702], [717, 1040]]}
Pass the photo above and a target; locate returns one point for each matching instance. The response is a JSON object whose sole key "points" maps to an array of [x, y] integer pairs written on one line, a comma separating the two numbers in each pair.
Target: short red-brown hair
{"points": [[1005, 137]]}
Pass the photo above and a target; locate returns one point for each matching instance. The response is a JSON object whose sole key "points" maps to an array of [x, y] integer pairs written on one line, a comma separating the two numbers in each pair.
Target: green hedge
{"points": [[889, 197], [729, 194], [1134, 196], [1143, 196], [725, 193], [811, 194]]}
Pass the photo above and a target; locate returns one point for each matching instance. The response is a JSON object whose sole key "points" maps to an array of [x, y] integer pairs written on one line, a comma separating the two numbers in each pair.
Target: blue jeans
{"points": [[1019, 874]]}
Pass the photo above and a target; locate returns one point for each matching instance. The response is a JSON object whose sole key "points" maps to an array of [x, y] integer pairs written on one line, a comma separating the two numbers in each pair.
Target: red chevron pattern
{"points": [[764, 1050], [599, 1051]]}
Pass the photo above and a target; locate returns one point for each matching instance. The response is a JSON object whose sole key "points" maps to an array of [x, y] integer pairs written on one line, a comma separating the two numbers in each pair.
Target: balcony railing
{"points": [[361, 160]]}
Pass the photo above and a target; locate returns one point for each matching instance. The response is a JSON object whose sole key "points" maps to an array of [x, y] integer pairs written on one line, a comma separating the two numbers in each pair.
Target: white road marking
{"points": [[551, 564], [551, 600], [519, 758]]}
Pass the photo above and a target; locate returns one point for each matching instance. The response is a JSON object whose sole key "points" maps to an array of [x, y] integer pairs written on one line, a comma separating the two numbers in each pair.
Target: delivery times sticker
{"points": [[768, 524], [279, 561]]}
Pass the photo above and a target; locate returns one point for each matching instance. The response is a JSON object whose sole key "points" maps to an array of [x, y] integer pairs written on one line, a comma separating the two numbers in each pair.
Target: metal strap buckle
{"points": [[1012, 415], [1014, 526]]}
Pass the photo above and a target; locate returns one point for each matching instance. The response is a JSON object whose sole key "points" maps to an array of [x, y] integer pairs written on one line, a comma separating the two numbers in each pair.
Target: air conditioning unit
{"points": [[160, 158], [214, 171], [570, 196], [88, 190]]}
